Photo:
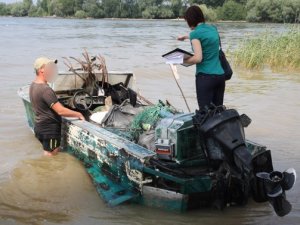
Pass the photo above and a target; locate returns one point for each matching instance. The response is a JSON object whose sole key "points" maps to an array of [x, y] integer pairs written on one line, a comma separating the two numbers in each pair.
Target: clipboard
{"points": [[176, 56]]}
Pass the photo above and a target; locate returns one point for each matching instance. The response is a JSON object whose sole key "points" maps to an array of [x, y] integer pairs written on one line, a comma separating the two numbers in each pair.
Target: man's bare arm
{"points": [[63, 111]]}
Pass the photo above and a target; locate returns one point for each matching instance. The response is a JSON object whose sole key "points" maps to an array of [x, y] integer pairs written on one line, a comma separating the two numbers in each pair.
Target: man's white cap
{"points": [[41, 61]]}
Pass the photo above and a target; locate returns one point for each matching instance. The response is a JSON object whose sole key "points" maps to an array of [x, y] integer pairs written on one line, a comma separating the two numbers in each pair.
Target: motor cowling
{"points": [[225, 128]]}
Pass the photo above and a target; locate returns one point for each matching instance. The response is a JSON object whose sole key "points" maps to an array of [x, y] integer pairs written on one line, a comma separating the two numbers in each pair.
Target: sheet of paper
{"points": [[177, 57], [174, 58]]}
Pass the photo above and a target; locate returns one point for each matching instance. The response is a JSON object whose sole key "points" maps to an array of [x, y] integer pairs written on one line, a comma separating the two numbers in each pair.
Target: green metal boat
{"points": [[155, 155]]}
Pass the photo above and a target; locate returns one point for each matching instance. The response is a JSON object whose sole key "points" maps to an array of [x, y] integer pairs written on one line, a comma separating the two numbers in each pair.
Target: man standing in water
{"points": [[48, 110]]}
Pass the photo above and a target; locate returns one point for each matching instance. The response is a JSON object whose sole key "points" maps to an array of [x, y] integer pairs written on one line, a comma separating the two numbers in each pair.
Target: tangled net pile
{"points": [[148, 118]]}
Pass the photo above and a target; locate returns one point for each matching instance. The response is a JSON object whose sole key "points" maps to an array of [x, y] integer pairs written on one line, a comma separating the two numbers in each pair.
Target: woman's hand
{"points": [[182, 37]]}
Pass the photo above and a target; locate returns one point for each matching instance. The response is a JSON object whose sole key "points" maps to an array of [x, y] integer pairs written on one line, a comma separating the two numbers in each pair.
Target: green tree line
{"points": [[281, 11]]}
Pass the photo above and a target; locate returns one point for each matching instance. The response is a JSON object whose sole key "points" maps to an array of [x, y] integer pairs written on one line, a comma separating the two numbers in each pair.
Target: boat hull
{"points": [[119, 168]]}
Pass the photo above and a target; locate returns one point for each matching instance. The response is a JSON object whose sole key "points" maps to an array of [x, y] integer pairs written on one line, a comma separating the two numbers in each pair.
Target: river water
{"points": [[40, 190]]}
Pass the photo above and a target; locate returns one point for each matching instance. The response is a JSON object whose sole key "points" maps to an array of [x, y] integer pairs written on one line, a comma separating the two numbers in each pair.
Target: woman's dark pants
{"points": [[210, 89]]}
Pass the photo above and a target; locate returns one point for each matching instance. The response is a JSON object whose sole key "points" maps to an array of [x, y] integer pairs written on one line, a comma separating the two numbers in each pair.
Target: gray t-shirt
{"points": [[47, 121]]}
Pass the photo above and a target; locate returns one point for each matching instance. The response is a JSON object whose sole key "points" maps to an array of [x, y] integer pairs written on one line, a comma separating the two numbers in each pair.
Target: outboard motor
{"points": [[225, 144], [223, 132]]}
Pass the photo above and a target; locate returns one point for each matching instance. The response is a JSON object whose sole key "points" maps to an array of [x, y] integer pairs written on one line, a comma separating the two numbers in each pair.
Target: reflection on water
{"points": [[39, 190]]}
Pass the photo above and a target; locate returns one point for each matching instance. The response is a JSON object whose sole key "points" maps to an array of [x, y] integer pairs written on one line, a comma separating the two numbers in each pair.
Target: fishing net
{"points": [[148, 118], [131, 121]]}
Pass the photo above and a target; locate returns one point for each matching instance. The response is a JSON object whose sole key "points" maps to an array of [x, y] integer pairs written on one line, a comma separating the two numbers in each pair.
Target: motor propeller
{"points": [[275, 185]]}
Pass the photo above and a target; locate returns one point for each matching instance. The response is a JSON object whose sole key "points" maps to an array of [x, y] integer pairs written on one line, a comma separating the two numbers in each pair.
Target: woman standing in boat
{"points": [[204, 38]]}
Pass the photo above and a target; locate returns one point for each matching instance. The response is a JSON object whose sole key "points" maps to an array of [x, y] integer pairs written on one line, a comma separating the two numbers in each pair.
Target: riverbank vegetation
{"points": [[279, 51], [287, 11]]}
